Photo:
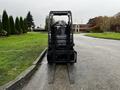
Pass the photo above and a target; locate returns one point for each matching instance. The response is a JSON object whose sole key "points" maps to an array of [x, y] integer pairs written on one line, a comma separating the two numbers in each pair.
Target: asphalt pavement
{"points": [[97, 68]]}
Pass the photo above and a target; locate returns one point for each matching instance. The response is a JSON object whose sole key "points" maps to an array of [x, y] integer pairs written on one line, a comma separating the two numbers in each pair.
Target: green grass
{"points": [[115, 36], [18, 52]]}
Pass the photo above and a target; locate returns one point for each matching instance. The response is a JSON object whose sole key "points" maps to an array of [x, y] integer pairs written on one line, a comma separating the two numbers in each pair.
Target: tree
{"points": [[46, 23], [17, 25], [115, 24], [25, 26], [5, 23], [92, 21], [12, 25], [0, 26], [105, 23], [101, 23], [29, 19], [21, 25]]}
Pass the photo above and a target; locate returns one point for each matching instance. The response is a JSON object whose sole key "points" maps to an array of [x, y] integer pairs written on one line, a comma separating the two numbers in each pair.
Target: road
{"points": [[97, 68]]}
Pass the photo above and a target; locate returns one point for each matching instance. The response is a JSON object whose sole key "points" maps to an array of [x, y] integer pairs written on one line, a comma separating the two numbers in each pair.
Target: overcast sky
{"points": [[82, 10]]}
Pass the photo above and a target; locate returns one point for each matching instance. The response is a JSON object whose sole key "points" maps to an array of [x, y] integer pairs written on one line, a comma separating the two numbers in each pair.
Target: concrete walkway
{"points": [[97, 68]]}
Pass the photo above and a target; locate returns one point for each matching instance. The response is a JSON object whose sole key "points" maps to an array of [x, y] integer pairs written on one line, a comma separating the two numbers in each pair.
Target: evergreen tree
{"points": [[17, 26], [0, 26], [25, 25], [5, 23], [12, 25], [21, 25], [29, 19], [46, 23]]}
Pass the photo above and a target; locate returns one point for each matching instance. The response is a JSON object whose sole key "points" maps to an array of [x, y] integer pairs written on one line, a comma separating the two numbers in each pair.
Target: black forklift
{"points": [[60, 39]]}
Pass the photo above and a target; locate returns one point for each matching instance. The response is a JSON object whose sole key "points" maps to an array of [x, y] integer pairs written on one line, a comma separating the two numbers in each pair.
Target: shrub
{"points": [[3, 33], [96, 30]]}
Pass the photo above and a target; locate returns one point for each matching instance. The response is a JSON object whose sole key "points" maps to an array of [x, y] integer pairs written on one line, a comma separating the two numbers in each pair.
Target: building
{"points": [[81, 27], [39, 29]]}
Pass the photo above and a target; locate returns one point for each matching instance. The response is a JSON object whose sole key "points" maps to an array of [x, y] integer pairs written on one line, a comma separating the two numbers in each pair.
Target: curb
{"points": [[24, 77], [103, 38]]}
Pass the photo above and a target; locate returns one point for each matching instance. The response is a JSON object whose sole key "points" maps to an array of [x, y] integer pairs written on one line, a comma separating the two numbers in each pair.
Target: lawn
{"points": [[17, 53], [115, 36]]}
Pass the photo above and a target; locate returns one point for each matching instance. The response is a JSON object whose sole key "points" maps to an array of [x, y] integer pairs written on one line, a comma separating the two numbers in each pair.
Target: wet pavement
{"points": [[97, 68]]}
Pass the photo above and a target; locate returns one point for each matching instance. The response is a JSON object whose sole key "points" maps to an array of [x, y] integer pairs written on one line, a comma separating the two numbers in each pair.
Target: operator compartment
{"points": [[60, 32]]}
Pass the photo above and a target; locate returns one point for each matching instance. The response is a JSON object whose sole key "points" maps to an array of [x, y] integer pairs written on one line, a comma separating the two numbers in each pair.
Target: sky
{"points": [[82, 10]]}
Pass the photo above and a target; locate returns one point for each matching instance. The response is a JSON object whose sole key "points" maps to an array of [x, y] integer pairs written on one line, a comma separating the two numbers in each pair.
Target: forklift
{"points": [[60, 39]]}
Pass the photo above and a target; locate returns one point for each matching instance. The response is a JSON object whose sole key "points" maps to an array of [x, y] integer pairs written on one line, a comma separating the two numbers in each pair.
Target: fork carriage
{"points": [[60, 39]]}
